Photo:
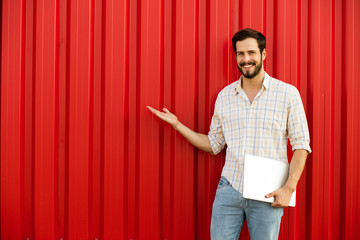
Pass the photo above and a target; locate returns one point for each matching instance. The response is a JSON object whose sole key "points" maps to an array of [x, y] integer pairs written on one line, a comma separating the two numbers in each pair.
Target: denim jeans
{"points": [[230, 210]]}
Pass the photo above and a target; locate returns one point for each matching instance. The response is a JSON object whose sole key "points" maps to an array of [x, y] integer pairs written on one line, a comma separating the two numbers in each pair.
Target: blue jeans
{"points": [[230, 210]]}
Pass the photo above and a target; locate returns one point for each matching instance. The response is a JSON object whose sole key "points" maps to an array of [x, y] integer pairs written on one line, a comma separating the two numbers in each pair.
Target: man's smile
{"points": [[247, 66]]}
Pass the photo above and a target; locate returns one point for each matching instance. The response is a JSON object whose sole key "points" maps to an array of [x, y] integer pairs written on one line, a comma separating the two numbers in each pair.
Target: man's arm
{"points": [[283, 195], [199, 140]]}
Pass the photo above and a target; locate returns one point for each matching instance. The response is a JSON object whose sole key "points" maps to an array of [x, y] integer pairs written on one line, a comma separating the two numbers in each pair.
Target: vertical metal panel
{"points": [[82, 158], [12, 130], [80, 119], [45, 112], [114, 118], [148, 144], [28, 122]]}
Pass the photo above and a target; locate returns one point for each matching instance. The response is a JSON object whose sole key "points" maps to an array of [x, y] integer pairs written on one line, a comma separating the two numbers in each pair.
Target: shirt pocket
{"points": [[275, 120]]}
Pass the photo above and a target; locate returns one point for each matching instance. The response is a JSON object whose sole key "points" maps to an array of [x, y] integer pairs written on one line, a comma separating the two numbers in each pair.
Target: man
{"points": [[254, 115]]}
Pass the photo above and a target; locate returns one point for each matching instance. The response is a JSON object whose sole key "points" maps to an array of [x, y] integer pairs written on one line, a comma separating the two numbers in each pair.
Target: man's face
{"points": [[248, 57]]}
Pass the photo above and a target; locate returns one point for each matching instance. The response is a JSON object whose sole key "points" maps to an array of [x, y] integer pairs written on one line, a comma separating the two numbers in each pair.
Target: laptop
{"points": [[263, 176]]}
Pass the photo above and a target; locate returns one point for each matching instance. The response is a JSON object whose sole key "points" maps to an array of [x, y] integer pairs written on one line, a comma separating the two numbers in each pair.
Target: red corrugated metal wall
{"points": [[82, 157]]}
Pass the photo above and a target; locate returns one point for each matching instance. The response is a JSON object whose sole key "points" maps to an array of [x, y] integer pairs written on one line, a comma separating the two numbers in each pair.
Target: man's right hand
{"points": [[199, 140], [166, 116]]}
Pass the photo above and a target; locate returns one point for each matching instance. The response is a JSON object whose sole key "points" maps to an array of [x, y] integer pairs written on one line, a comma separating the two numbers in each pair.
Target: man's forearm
{"points": [[296, 168], [199, 140]]}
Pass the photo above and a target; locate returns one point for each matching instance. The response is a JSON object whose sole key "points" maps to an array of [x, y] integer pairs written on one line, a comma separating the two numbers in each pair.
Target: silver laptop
{"points": [[263, 176]]}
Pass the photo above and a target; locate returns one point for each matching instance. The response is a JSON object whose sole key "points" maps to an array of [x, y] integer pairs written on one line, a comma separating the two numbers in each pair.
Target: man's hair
{"points": [[249, 33]]}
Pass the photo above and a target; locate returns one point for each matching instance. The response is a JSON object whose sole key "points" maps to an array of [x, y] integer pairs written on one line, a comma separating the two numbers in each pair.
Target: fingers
{"points": [[276, 203], [153, 110], [167, 111], [157, 112], [279, 200], [165, 116], [270, 195]]}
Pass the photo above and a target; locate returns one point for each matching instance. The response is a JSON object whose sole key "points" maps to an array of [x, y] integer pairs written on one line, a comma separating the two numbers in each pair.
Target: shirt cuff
{"points": [[216, 145], [305, 146]]}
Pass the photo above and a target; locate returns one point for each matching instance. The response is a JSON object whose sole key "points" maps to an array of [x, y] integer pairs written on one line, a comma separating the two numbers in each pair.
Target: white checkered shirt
{"points": [[261, 128]]}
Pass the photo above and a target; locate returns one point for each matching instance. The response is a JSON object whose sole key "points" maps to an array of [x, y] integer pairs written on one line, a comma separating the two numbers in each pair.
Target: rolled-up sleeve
{"points": [[297, 124], [216, 134]]}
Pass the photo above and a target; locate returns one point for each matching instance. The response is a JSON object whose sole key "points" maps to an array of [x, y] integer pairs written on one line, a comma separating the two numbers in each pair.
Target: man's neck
{"points": [[254, 83]]}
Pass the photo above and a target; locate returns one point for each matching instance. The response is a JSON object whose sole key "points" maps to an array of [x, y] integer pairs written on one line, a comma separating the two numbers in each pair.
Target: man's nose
{"points": [[246, 57]]}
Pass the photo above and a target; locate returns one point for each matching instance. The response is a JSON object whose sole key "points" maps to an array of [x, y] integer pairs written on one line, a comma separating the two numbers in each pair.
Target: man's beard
{"points": [[248, 74]]}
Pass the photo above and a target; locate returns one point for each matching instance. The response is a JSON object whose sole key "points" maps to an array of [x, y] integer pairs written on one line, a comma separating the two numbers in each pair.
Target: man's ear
{"points": [[263, 54]]}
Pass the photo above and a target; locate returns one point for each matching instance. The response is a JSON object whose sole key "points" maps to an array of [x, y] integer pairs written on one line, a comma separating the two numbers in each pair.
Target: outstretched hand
{"points": [[166, 116]]}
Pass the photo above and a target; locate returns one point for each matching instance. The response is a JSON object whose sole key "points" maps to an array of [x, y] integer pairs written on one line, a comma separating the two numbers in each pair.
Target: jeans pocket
{"points": [[223, 183]]}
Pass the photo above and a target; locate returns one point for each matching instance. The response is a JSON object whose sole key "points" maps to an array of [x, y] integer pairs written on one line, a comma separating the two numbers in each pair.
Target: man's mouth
{"points": [[247, 65]]}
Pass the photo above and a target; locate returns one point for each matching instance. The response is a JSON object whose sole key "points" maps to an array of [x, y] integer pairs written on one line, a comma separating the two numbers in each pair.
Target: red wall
{"points": [[82, 157]]}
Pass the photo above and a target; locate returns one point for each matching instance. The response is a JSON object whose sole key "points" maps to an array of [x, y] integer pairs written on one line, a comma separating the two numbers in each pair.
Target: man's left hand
{"points": [[282, 197]]}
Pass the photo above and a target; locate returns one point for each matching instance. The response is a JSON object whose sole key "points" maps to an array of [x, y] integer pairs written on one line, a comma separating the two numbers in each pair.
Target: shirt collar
{"points": [[266, 83]]}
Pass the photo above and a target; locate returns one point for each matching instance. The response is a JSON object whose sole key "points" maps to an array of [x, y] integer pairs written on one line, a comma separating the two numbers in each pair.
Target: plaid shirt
{"points": [[260, 128]]}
